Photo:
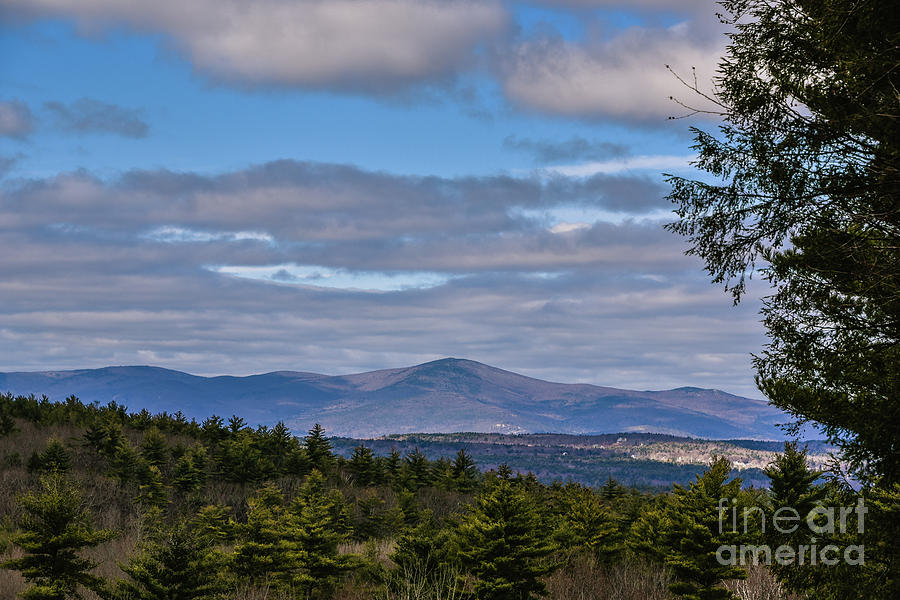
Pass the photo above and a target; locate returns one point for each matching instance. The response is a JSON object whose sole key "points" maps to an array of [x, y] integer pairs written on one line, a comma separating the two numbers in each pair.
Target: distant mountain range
{"points": [[445, 395]]}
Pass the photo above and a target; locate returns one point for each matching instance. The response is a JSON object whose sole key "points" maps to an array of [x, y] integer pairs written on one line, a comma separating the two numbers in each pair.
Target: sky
{"points": [[230, 187]]}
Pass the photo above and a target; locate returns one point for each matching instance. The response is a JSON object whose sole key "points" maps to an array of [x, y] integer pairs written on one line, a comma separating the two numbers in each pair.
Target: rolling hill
{"points": [[441, 396]]}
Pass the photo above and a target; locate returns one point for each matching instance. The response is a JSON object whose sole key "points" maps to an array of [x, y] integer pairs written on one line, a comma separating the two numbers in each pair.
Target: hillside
{"points": [[440, 396]]}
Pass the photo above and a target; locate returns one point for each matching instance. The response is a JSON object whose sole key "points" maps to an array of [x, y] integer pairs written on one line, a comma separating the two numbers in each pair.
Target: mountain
{"points": [[441, 396]]}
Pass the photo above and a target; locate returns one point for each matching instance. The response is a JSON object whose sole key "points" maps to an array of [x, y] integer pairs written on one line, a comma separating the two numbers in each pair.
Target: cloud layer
{"points": [[625, 76], [156, 267], [15, 119], [88, 115], [375, 46], [396, 47]]}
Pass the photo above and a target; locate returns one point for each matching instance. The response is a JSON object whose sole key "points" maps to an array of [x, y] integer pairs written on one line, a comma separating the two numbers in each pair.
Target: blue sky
{"points": [[224, 187]]}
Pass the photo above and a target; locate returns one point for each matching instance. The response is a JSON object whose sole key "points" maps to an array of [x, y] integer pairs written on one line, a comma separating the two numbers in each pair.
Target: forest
{"points": [[99, 502]]}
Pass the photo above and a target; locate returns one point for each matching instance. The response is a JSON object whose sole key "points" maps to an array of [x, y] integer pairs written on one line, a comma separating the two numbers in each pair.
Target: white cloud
{"points": [[654, 163], [342, 279], [624, 77], [370, 45]]}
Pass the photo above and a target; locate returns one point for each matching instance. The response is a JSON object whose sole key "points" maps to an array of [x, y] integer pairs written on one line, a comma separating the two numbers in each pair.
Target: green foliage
{"points": [[416, 472], [611, 490], [173, 563], [318, 449], [321, 521], [125, 463], [503, 543], [267, 548], [53, 459], [7, 422], [808, 170], [56, 528], [152, 492], [364, 469], [686, 531], [189, 473], [154, 449], [585, 524], [464, 472], [242, 460], [213, 524], [374, 518]]}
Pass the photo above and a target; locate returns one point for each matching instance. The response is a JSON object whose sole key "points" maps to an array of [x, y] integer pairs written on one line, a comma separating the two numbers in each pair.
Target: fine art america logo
{"points": [[821, 521]]}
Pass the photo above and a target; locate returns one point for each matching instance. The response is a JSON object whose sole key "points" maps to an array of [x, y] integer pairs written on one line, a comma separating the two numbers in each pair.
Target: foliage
{"points": [[686, 531], [808, 169], [56, 528], [503, 543], [174, 563]]}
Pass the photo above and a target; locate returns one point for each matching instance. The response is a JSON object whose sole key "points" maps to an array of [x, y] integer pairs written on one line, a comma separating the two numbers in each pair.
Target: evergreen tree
{"points": [[154, 448], [173, 563], [95, 436], [279, 444], [151, 489], [213, 429], [242, 461], [267, 550], [611, 490], [189, 473], [318, 449], [125, 463], [113, 439], [54, 530], [363, 467], [393, 468], [7, 422], [687, 532], [236, 424], [213, 525], [321, 523], [793, 488], [585, 524], [53, 459], [503, 543], [465, 472], [416, 470], [805, 176]]}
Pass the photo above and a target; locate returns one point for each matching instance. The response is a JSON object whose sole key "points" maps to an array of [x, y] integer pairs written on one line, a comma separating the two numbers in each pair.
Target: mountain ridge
{"points": [[444, 395]]}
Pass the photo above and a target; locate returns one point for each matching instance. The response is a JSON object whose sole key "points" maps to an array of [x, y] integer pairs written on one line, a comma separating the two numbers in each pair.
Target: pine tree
{"points": [[318, 449], [416, 470], [611, 490], [189, 473], [95, 436], [465, 472], [7, 422], [268, 550], [55, 529], [363, 467], [585, 524], [213, 524], [794, 489], [154, 448], [503, 543], [173, 563], [53, 459], [125, 462], [321, 524], [113, 439], [278, 445], [151, 489], [686, 534], [393, 468], [236, 424]]}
